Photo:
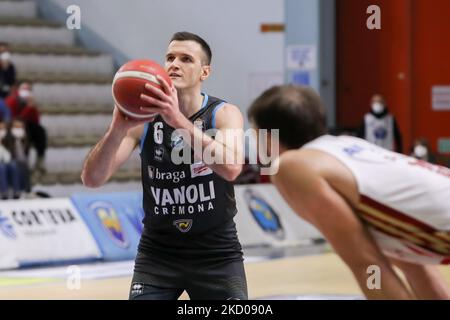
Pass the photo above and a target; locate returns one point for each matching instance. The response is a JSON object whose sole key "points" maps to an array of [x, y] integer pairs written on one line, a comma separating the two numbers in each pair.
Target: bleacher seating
{"points": [[72, 87]]}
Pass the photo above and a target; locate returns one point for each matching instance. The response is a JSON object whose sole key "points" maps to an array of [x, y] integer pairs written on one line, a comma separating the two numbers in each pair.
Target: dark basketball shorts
{"points": [[212, 282]]}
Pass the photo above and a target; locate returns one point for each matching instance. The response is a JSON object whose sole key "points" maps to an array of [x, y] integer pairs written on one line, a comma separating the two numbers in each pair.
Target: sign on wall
{"points": [[444, 145], [301, 57], [440, 96], [115, 220], [264, 218], [43, 231]]}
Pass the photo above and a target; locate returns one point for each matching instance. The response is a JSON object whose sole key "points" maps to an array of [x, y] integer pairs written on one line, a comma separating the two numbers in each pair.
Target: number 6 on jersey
{"points": [[158, 133]]}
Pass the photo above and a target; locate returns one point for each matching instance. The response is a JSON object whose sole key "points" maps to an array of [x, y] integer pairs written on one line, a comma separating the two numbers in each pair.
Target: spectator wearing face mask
{"points": [[18, 146], [22, 105], [9, 171], [380, 127], [7, 71], [421, 151]]}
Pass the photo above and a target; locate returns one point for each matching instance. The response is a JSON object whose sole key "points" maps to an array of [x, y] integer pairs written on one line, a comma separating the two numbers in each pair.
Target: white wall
{"points": [[142, 29], [312, 22]]}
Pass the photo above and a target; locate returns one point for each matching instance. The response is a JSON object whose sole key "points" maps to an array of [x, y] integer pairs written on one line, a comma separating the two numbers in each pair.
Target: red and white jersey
{"points": [[404, 201]]}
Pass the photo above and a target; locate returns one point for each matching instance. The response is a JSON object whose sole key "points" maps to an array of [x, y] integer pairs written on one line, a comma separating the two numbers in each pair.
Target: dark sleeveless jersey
{"points": [[187, 206]]}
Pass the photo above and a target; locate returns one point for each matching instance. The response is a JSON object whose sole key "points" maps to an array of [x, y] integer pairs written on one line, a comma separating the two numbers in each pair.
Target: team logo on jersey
{"points": [[176, 140], [199, 124], [151, 172], [352, 150], [110, 222], [200, 169], [6, 227], [184, 225], [264, 215], [380, 133], [137, 288], [371, 153], [159, 154], [174, 176]]}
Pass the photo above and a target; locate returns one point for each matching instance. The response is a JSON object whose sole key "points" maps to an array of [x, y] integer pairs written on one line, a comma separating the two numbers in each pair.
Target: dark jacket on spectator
{"points": [[7, 80]]}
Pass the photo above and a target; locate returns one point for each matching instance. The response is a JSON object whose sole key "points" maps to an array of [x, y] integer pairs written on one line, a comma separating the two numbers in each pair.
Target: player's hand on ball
{"points": [[163, 102], [122, 122]]}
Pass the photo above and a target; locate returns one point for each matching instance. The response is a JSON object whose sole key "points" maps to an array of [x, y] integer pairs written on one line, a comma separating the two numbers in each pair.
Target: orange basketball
{"points": [[129, 83]]}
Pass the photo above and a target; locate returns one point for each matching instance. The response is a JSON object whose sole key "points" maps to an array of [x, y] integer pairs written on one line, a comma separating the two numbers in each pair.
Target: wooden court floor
{"points": [[323, 274]]}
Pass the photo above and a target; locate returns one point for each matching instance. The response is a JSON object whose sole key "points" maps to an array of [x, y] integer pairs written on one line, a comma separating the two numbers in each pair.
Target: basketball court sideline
{"points": [[317, 276]]}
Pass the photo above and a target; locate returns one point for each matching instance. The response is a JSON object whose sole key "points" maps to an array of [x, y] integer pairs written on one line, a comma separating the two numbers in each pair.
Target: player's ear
{"points": [[206, 70]]}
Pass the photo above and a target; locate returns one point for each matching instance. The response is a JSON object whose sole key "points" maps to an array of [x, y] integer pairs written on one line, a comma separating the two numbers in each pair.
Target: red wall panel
{"points": [[431, 65], [402, 61]]}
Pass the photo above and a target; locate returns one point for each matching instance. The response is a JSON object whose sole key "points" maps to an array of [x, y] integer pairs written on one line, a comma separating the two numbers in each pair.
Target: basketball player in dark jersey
{"points": [[189, 242]]}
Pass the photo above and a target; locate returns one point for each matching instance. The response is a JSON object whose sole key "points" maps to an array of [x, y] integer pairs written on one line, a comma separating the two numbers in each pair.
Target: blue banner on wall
{"points": [[115, 220], [301, 78]]}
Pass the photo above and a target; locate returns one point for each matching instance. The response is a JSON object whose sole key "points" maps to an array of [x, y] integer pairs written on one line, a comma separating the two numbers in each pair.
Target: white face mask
{"points": [[23, 93], [377, 107], [420, 151], [5, 56], [2, 133], [18, 133]]}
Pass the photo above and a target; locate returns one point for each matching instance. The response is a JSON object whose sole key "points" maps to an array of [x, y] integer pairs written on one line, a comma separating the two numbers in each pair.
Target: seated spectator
{"points": [[18, 147], [421, 150], [7, 71], [9, 170], [5, 113], [22, 105]]}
